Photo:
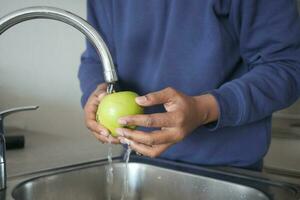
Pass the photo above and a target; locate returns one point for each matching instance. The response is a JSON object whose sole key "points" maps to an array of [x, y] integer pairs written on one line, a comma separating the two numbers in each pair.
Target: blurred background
{"points": [[38, 66]]}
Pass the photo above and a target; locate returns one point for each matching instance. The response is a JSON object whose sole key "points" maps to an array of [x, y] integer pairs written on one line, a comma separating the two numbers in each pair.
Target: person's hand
{"points": [[184, 114], [90, 109]]}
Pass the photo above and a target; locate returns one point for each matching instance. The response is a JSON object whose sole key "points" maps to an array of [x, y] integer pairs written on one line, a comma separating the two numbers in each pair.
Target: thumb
{"points": [[156, 98]]}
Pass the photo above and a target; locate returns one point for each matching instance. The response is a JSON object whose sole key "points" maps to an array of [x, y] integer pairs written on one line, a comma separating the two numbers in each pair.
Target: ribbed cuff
{"points": [[229, 104]]}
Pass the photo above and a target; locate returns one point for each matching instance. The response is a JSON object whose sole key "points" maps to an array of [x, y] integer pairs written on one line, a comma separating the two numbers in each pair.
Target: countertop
{"points": [[45, 151], [283, 156]]}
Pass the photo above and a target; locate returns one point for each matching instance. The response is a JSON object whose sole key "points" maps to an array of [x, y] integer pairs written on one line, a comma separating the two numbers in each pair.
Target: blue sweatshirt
{"points": [[244, 52]]}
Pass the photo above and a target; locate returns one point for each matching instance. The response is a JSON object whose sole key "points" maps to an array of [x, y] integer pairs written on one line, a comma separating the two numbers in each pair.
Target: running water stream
{"points": [[109, 171], [110, 174], [125, 178]]}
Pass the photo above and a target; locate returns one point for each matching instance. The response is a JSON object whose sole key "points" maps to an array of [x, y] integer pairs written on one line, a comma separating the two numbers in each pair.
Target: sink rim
{"points": [[219, 173]]}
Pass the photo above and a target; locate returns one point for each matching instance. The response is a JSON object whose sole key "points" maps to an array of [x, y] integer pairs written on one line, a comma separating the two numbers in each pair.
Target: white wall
{"points": [[39, 60]]}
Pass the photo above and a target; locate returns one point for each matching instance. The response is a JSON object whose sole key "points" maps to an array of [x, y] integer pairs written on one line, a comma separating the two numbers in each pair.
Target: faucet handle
{"points": [[7, 112]]}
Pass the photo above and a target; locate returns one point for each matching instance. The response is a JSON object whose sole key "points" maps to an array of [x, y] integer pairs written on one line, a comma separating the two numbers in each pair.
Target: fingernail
{"points": [[119, 131], [122, 121], [125, 141], [141, 99], [104, 133], [122, 140]]}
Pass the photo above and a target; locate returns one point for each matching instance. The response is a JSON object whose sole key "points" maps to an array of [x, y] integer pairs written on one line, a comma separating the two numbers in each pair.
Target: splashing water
{"points": [[110, 175]]}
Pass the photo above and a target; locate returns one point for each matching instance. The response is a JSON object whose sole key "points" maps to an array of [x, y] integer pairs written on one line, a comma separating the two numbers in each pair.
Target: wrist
{"points": [[207, 108]]}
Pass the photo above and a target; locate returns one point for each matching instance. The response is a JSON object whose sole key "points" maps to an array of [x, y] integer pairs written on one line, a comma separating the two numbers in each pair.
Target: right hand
{"points": [[90, 109]]}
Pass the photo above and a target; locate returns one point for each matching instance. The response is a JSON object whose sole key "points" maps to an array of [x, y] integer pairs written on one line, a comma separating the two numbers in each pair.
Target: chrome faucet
{"points": [[109, 71], [4, 114], [43, 12]]}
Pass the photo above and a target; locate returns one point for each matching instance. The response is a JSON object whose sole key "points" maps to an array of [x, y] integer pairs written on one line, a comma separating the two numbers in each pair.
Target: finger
{"points": [[98, 128], [101, 96], [90, 112], [91, 106], [100, 89], [152, 152], [106, 139], [92, 103], [155, 98], [153, 138], [99, 93], [101, 138], [113, 140], [166, 119], [92, 100]]}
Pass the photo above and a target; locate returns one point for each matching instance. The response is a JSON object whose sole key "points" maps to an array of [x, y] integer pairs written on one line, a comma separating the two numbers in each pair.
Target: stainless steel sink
{"points": [[147, 180]]}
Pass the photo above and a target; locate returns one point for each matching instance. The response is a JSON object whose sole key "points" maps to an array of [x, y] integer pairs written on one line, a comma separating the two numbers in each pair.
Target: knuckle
{"points": [[149, 97], [115, 141], [89, 124], [90, 105], [99, 87], [92, 126], [86, 107], [102, 140], [128, 135], [153, 154], [180, 119], [178, 136], [149, 121], [98, 137], [150, 141], [170, 90]]}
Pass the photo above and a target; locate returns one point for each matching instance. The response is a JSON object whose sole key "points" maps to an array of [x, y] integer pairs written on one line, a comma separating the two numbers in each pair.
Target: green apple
{"points": [[116, 105]]}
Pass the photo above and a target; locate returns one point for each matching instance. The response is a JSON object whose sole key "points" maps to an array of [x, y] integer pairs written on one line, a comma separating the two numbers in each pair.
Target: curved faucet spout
{"points": [[109, 72]]}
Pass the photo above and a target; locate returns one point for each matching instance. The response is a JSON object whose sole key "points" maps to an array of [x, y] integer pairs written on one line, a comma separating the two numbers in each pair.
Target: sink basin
{"points": [[145, 182], [150, 180]]}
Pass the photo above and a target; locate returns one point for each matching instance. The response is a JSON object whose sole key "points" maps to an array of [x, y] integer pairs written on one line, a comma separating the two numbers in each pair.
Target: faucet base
{"points": [[2, 176]]}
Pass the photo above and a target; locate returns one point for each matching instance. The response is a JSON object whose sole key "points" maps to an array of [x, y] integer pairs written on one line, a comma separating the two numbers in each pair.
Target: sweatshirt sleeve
{"points": [[90, 70], [268, 33]]}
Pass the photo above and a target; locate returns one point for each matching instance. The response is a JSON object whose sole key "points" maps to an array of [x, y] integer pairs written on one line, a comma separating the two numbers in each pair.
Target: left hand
{"points": [[183, 115]]}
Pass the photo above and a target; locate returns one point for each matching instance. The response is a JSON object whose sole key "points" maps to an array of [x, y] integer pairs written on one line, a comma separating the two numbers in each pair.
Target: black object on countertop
{"points": [[15, 142], [11, 142]]}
